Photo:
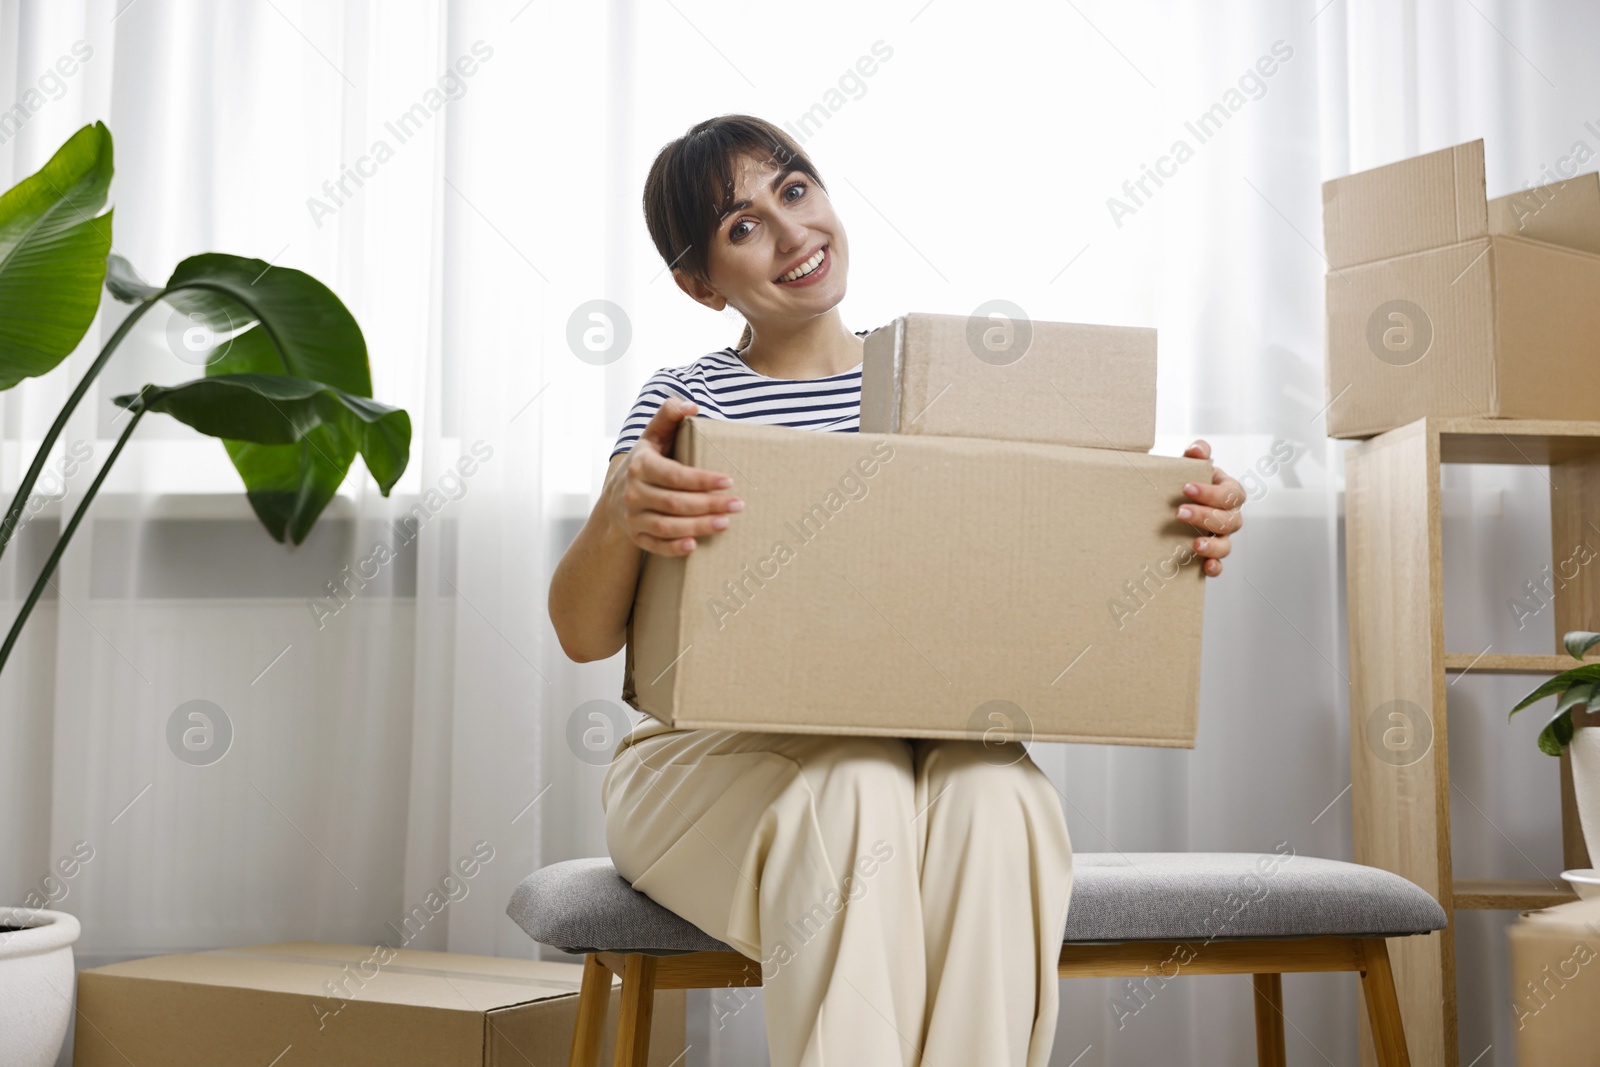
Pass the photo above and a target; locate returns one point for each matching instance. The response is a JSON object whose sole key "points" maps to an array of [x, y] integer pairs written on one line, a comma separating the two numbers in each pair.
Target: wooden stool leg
{"points": [[1383, 1006], [1270, 1051], [633, 1022], [593, 999]]}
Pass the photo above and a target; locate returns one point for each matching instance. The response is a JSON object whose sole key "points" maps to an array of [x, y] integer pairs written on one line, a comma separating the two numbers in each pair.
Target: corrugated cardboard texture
{"points": [[254, 1005], [1076, 384], [1547, 310], [1566, 213], [1512, 328], [1555, 985], [1416, 204], [893, 585], [1452, 289]]}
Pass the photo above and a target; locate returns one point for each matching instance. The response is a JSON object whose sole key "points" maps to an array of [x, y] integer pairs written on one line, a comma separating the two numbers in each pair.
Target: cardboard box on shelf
{"points": [[1016, 379], [1440, 302], [1566, 213], [319, 1004], [927, 587], [1555, 985]]}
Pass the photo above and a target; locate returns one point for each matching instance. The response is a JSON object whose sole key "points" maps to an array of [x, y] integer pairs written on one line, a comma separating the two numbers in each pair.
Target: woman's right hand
{"points": [[661, 504]]}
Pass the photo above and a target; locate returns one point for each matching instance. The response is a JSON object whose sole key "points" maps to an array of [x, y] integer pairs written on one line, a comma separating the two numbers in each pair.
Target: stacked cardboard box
{"points": [[1442, 302], [993, 557], [1058, 383]]}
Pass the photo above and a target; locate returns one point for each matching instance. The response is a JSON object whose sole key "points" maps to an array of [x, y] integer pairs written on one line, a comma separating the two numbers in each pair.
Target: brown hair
{"points": [[690, 186]]}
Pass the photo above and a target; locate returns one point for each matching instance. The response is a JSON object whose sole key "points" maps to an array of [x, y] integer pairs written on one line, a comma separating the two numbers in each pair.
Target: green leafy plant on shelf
{"points": [[287, 386], [1578, 687]]}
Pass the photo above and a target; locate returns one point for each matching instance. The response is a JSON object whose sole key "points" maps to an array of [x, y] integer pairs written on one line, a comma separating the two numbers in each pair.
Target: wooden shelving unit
{"points": [[1394, 571]]}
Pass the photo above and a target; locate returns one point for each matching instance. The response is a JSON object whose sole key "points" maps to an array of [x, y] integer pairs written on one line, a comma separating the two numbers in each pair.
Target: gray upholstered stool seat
{"points": [[1261, 915], [585, 906]]}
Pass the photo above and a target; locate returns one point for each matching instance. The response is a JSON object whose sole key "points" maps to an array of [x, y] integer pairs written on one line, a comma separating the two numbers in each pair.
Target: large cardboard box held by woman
{"points": [[924, 586]]}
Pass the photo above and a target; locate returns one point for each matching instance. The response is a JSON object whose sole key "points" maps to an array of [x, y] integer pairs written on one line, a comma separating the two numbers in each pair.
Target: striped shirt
{"points": [[726, 388]]}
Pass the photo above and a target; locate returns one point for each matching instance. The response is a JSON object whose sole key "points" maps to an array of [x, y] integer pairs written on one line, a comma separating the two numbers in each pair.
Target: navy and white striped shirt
{"points": [[726, 388]]}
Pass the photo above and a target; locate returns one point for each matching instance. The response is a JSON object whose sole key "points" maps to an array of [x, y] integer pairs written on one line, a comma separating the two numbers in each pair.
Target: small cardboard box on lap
{"points": [[1013, 379], [1442, 302], [927, 586]]}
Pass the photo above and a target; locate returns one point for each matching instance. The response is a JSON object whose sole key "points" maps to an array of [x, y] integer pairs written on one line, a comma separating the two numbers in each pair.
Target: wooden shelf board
{"points": [[1537, 441], [1509, 894], [1498, 663]]}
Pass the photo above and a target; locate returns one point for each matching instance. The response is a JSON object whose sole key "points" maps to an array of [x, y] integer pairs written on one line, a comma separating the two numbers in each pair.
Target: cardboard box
{"points": [[1566, 213], [1441, 303], [1555, 985], [318, 1004], [1020, 380], [927, 587]]}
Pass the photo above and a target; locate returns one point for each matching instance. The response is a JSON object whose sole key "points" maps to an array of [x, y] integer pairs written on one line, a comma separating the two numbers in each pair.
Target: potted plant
{"points": [[1575, 689], [286, 387], [36, 980]]}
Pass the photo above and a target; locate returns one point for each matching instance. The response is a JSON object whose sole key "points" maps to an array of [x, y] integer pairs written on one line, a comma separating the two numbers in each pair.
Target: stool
{"points": [[1130, 914]]}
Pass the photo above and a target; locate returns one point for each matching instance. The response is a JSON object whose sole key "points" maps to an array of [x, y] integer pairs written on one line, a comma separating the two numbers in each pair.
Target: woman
{"points": [[900, 895]]}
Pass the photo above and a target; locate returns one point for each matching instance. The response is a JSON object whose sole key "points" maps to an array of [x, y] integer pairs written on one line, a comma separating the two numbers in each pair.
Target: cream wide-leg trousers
{"points": [[906, 899]]}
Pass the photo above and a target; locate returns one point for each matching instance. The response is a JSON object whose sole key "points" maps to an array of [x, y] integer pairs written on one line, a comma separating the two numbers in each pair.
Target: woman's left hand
{"points": [[1214, 509]]}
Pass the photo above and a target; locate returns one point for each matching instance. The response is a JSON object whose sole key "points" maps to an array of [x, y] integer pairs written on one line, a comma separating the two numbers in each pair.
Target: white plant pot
{"points": [[36, 985], [1584, 752]]}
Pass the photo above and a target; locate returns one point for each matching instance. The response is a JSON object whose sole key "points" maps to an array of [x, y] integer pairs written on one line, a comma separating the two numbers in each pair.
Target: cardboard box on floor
{"points": [[1555, 985], [927, 587], [1021, 380], [1441, 302], [316, 1004]]}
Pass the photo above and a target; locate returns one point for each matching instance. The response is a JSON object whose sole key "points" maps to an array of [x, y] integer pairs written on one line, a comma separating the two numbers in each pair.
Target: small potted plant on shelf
{"points": [[1576, 690]]}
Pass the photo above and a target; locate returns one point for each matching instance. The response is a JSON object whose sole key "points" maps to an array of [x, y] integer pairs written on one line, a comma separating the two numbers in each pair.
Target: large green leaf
{"points": [[314, 335], [275, 409], [53, 247], [273, 321], [288, 484]]}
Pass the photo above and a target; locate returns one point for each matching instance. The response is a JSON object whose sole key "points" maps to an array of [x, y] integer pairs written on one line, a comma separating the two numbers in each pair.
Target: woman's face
{"points": [[780, 222]]}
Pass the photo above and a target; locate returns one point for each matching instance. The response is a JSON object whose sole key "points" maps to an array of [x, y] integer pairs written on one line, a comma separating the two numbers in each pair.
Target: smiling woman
{"points": [[742, 832], [699, 203]]}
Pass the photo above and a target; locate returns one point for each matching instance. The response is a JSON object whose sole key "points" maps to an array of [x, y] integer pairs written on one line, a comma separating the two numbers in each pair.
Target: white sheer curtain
{"points": [[975, 160], [377, 735]]}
